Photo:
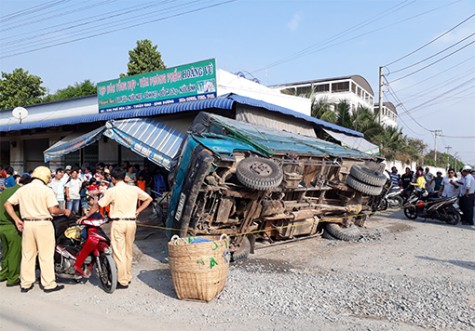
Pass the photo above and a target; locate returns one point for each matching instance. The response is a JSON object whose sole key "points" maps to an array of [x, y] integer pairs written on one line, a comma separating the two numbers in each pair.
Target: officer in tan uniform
{"points": [[37, 202], [123, 214]]}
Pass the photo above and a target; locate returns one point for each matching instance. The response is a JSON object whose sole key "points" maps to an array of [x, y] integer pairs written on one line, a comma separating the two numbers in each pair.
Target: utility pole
{"points": [[436, 133], [380, 98], [448, 148]]}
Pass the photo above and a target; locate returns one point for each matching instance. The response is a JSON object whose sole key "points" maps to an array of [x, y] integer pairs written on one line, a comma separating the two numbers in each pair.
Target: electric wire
{"points": [[25, 12], [297, 55], [432, 41], [433, 55], [42, 18], [97, 18], [442, 95], [435, 75], [432, 63], [119, 29], [351, 29], [437, 86]]}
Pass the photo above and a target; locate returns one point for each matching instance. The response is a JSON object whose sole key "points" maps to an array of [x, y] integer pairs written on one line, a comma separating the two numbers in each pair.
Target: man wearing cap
{"points": [[37, 202], [467, 195], [67, 174], [123, 213]]}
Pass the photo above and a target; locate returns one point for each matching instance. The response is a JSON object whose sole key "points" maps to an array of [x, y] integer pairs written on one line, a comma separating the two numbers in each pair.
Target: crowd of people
{"points": [[29, 201], [461, 185]]}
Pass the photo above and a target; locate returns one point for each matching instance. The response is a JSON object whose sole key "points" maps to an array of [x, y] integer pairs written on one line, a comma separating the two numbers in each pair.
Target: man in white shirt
{"points": [[57, 184], [467, 194], [449, 187], [73, 187], [67, 174]]}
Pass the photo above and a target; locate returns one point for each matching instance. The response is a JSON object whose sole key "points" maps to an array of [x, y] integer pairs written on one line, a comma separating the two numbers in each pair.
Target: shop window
{"points": [[340, 87]]}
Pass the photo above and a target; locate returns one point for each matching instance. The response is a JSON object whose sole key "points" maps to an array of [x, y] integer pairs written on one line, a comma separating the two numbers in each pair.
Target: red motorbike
{"points": [[80, 248]]}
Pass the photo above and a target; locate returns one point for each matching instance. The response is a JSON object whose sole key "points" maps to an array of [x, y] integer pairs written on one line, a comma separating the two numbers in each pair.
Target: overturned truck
{"points": [[255, 183]]}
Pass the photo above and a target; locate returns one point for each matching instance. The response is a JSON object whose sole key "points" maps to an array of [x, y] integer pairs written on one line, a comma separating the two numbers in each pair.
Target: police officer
{"points": [[37, 202], [123, 214], [10, 238]]}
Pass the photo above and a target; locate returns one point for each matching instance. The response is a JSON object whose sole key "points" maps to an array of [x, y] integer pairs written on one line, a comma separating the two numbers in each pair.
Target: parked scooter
{"points": [[390, 197], [89, 245], [421, 204], [394, 197]]}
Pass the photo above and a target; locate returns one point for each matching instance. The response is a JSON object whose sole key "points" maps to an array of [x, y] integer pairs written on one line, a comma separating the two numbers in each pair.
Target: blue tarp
{"points": [[72, 143], [148, 138]]}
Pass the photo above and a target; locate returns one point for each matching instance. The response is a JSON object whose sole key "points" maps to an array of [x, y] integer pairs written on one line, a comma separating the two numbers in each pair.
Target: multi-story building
{"points": [[355, 90], [388, 115]]}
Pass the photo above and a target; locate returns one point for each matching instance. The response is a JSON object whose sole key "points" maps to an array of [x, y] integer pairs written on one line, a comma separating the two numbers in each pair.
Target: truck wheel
{"points": [[243, 250], [351, 233], [328, 236], [258, 173], [362, 187], [367, 175]]}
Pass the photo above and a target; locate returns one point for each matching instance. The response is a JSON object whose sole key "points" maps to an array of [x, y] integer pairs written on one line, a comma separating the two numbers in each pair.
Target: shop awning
{"points": [[353, 142], [148, 138], [72, 143]]}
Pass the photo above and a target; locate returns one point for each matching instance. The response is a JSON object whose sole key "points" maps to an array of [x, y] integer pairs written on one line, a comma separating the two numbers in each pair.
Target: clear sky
{"points": [[275, 41]]}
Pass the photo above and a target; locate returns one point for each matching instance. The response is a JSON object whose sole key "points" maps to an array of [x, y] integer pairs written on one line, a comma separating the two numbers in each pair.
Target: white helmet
{"points": [[42, 173]]}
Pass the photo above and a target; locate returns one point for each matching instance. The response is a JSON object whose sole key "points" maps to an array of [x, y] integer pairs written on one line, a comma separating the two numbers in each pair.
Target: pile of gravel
{"points": [[438, 303]]}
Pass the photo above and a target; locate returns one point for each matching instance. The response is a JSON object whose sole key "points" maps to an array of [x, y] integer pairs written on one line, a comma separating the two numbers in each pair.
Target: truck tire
{"points": [[351, 233], [362, 187], [328, 236], [258, 173], [243, 250], [367, 175]]}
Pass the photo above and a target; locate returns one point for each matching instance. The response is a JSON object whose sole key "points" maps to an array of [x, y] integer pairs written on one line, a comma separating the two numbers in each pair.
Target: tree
{"points": [[73, 91], [343, 113], [20, 89], [322, 110], [144, 58]]}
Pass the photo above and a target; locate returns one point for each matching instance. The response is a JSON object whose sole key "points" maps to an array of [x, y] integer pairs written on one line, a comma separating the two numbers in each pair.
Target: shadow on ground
{"points": [[463, 264]]}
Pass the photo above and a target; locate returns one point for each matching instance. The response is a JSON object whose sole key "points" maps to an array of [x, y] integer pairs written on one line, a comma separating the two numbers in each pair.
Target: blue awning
{"points": [[72, 143], [225, 102], [148, 138]]}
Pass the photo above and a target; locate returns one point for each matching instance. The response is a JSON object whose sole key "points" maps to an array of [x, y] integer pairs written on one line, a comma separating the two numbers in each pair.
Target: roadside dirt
{"points": [[411, 275]]}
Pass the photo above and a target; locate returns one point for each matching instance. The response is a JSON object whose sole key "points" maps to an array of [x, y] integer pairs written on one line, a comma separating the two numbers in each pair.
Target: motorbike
{"points": [[87, 246], [390, 197], [422, 204]]}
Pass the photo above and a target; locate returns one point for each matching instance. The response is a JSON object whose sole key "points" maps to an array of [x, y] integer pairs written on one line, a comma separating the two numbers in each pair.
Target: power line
{"points": [[120, 29], [433, 55], [436, 74], [435, 87], [390, 90], [97, 18], [442, 95], [323, 47], [42, 18], [458, 137], [402, 120], [432, 41], [432, 63], [27, 11]]}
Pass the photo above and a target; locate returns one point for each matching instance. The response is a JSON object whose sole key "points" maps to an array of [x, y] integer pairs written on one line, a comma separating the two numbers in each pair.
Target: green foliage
{"points": [[19, 88], [321, 109], [73, 91], [343, 113], [144, 58]]}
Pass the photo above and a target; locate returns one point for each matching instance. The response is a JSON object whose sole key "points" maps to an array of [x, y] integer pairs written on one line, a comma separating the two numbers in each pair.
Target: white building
{"points": [[355, 90], [389, 114]]}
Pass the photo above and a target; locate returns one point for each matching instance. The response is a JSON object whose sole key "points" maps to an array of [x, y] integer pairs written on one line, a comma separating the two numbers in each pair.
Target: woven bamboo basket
{"points": [[199, 270]]}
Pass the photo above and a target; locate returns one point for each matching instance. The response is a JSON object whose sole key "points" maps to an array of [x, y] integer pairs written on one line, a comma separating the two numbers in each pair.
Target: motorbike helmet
{"points": [[42, 173]]}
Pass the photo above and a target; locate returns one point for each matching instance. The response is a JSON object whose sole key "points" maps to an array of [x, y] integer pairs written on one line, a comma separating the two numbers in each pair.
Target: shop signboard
{"points": [[189, 82]]}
